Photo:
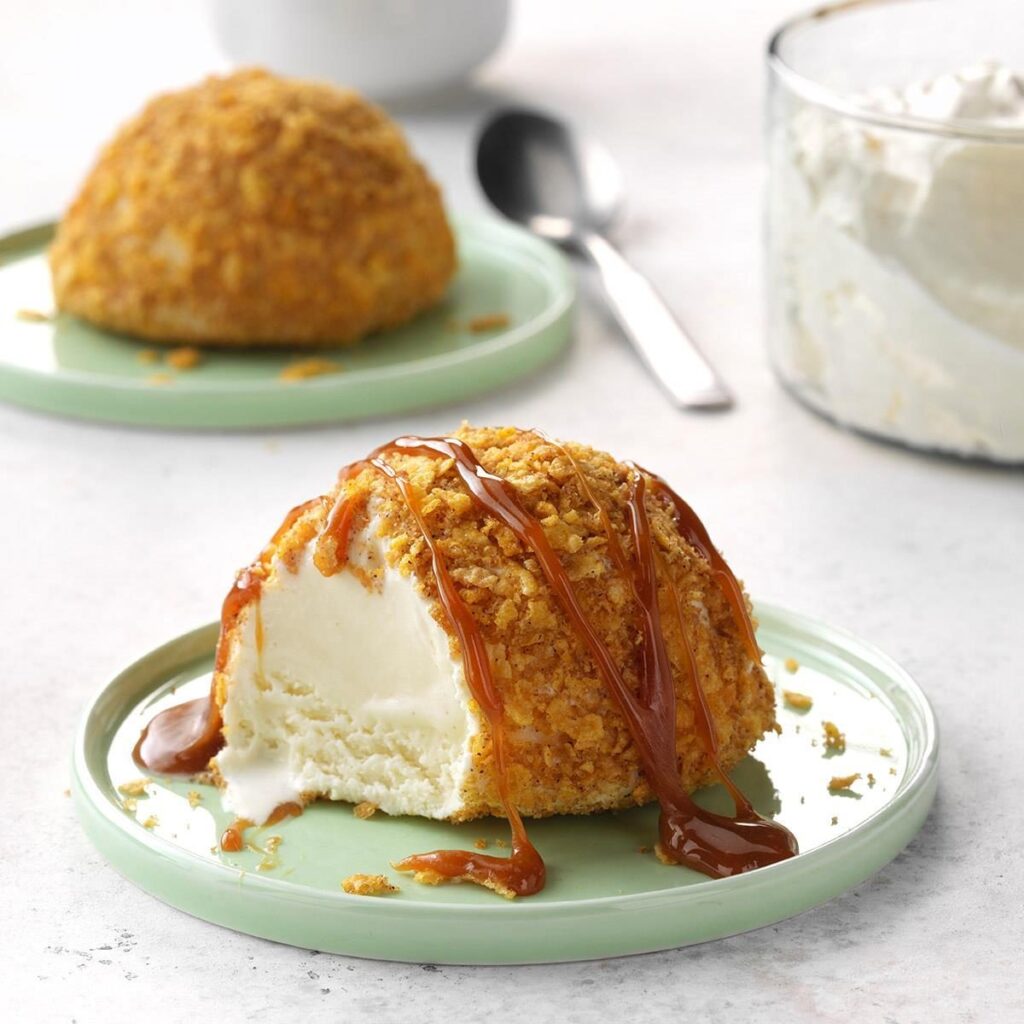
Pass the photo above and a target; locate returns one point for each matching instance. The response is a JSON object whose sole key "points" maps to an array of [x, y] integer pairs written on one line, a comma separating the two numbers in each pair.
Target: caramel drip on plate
{"points": [[182, 739], [232, 839]]}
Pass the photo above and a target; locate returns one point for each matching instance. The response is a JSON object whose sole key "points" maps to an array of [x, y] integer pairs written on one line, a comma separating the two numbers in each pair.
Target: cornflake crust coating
{"points": [[254, 210], [568, 748]]}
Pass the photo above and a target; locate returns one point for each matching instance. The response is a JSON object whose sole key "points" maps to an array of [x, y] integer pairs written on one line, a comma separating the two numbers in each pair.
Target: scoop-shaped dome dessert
{"points": [[491, 623], [251, 210]]}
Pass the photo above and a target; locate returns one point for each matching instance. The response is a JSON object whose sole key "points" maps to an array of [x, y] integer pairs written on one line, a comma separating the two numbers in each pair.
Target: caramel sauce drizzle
{"points": [[185, 737], [523, 872], [332, 544]]}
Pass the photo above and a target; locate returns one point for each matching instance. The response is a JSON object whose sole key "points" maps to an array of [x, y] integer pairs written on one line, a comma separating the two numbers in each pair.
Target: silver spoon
{"points": [[568, 190]]}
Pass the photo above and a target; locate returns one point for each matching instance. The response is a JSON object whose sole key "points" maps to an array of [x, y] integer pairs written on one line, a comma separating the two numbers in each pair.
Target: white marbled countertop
{"points": [[117, 539]]}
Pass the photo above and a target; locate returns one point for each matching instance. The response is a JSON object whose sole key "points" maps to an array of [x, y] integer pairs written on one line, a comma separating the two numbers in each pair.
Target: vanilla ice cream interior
{"points": [[345, 690]]}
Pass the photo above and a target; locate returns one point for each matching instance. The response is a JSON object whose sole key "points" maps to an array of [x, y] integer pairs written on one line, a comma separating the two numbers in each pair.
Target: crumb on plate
{"points": [[194, 798], [800, 701], [159, 379], [834, 739], [840, 782], [302, 369], [187, 357], [366, 809], [135, 788], [151, 822], [368, 885], [791, 664], [147, 356], [270, 857], [488, 322], [480, 844]]}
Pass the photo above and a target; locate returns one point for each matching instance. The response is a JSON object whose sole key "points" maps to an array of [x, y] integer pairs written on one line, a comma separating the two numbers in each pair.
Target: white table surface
{"points": [[117, 539]]}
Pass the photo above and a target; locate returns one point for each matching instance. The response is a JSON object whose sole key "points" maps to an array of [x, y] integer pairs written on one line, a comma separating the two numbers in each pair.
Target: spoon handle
{"points": [[664, 345]]}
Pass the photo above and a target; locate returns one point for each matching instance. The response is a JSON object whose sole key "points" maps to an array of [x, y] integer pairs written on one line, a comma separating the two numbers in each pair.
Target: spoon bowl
{"points": [[566, 188], [537, 172]]}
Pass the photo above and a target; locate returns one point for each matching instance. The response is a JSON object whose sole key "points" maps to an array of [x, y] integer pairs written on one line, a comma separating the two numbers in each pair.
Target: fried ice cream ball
{"points": [[254, 210], [332, 683]]}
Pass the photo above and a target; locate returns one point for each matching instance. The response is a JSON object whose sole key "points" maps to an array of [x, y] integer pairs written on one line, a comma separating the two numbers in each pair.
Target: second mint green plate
{"points": [[607, 894], [63, 365]]}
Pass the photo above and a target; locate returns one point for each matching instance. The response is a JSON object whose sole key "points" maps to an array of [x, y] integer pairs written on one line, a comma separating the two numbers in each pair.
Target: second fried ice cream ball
{"points": [[254, 210]]}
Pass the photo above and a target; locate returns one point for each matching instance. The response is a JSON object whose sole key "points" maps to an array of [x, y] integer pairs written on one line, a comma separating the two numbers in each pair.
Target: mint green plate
{"points": [[66, 366], [607, 894]]}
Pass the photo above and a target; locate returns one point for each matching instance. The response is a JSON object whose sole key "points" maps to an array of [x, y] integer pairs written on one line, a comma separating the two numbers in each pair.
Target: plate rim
{"points": [[918, 784], [481, 229]]}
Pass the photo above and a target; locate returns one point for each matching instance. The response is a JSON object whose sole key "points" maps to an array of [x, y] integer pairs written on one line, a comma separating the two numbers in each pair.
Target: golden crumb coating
{"points": [[568, 748], [254, 210]]}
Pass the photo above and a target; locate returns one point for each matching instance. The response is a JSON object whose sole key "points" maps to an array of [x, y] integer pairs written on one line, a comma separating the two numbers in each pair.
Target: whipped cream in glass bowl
{"points": [[895, 228]]}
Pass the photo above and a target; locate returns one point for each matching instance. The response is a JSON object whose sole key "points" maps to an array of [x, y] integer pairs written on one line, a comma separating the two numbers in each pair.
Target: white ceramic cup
{"points": [[387, 49]]}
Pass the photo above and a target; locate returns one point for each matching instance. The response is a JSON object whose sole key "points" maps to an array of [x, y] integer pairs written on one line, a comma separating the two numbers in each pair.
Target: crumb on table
{"points": [[488, 322], [187, 357], [366, 809], [368, 885], [840, 782], [33, 316], [315, 366], [834, 739], [791, 664], [800, 701]]}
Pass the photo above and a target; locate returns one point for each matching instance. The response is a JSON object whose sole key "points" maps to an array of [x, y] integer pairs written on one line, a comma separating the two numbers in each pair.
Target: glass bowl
{"points": [[895, 220]]}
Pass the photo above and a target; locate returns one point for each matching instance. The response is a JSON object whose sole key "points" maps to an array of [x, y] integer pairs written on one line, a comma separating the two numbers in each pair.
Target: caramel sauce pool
{"points": [[183, 739]]}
